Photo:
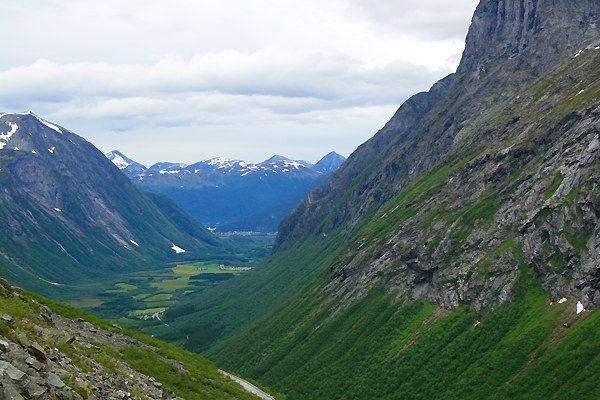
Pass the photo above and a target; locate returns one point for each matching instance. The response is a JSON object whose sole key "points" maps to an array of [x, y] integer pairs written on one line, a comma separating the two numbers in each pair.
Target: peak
{"points": [[124, 162], [332, 154], [329, 163], [114, 152], [276, 158], [221, 161], [526, 29], [27, 122], [12, 114], [39, 119], [119, 159]]}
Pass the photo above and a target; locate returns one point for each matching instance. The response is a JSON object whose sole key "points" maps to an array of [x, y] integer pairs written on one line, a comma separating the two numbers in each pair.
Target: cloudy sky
{"points": [[187, 80]]}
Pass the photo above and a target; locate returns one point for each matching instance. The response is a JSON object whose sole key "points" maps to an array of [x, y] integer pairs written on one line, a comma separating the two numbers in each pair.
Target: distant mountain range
{"points": [[68, 215], [233, 195]]}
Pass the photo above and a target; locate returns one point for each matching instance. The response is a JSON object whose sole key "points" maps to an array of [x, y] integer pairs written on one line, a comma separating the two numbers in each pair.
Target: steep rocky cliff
{"points": [[509, 43], [537, 32], [494, 168]]}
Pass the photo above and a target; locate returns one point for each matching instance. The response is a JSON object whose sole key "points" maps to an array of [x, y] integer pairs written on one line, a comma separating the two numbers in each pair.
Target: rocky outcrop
{"points": [[538, 33], [34, 363], [525, 210], [45, 355]]}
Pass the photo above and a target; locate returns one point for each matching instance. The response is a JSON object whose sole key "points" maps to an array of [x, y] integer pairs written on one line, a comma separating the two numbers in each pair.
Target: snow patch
{"points": [[48, 124], [578, 53], [120, 162], [57, 209], [294, 164], [177, 249], [33, 152], [581, 91], [51, 150], [21, 113], [6, 136], [134, 242], [580, 308], [562, 300]]}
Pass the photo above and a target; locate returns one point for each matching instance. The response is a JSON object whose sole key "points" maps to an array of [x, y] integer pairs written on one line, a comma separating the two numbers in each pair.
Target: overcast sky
{"points": [[187, 80]]}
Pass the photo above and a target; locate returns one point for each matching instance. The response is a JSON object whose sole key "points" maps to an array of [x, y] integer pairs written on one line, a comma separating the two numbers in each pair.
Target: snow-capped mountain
{"points": [[234, 194], [224, 166], [67, 214], [124, 163]]}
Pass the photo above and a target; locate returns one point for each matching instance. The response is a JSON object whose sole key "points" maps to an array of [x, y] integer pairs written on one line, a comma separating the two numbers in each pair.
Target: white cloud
{"points": [[308, 71]]}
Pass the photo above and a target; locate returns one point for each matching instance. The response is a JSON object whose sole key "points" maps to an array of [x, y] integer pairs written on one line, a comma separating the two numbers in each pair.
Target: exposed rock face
{"points": [[381, 174], [493, 172], [33, 367], [540, 32], [545, 30], [473, 239]]}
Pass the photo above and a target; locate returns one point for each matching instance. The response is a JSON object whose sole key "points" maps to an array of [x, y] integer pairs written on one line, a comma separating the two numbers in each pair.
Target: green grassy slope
{"points": [[217, 312], [197, 378], [383, 349]]}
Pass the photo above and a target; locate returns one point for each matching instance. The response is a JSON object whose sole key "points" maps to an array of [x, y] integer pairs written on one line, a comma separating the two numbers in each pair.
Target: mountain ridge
{"points": [[233, 195], [68, 213]]}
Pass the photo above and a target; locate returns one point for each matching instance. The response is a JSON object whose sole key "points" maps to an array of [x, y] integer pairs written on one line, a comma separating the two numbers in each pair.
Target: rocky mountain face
{"points": [[545, 30], [232, 195], [68, 213], [508, 42], [330, 163], [44, 355], [503, 131], [458, 247]]}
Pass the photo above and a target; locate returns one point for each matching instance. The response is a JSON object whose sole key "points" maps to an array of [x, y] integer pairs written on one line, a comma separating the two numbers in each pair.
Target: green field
{"points": [[139, 299]]}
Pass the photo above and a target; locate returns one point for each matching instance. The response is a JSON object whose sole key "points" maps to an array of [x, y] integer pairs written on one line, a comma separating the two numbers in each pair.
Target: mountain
{"points": [[330, 163], [277, 158], [124, 163], [69, 215], [233, 195], [456, 253], [51, 351]]}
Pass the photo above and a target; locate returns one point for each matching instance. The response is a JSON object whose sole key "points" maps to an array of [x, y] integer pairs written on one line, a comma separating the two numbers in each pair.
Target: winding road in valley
{"points": [[248, 386]]}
